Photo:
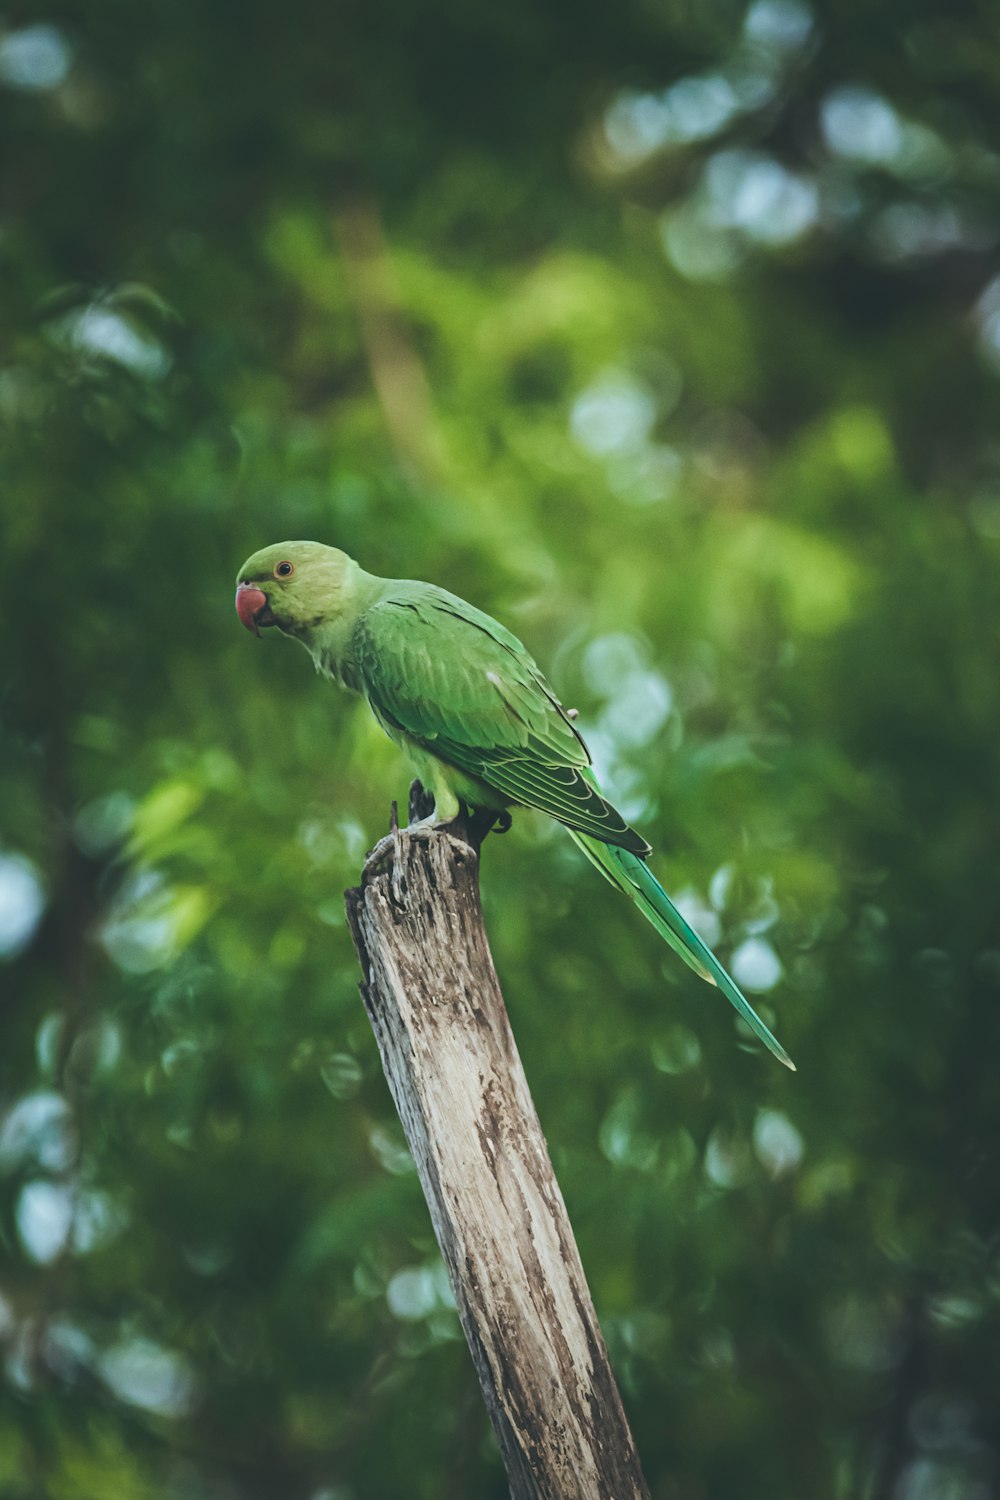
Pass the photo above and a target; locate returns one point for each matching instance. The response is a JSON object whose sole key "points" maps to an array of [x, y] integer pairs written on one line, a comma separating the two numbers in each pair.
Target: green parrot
{"points": [[466, 702]]}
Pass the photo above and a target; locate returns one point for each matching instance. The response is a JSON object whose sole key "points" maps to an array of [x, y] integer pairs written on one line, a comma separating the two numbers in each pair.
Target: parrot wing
{"points": [[464, 689]]}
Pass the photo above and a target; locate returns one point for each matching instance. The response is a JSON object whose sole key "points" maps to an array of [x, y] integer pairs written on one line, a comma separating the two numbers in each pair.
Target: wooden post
{"points": [[432, 996]]}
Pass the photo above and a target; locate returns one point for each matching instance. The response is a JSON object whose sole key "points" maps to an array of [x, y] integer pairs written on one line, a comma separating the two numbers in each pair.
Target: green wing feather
{"points": [[464, 689]]}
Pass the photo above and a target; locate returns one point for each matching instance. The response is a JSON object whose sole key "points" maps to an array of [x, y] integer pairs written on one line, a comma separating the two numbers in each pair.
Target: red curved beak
{"points": [[250, 603]]}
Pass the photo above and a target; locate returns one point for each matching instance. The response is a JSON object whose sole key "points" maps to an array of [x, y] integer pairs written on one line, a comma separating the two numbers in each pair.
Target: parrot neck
{"points": [[328, 638]]}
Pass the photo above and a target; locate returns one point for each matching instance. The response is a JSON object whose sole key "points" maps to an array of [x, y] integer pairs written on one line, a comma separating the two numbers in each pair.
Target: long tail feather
{"points": [[633, 876]]}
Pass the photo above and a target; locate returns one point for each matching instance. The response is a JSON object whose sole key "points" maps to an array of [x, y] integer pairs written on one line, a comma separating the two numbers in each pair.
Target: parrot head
{"points": [[295, 586]]}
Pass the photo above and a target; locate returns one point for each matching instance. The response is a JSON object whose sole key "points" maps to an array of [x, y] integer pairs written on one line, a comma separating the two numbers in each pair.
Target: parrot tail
{"points": [[633, 876]]}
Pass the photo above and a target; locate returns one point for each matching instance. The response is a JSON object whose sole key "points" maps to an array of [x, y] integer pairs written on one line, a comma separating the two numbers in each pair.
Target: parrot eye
{"points": [[284, 570]]}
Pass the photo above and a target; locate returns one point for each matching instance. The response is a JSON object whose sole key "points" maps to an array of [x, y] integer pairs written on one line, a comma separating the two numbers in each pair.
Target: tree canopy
{"points": [[670, 335]]}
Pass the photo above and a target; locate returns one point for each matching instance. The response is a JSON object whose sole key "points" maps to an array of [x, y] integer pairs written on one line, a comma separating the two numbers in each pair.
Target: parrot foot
{"points": [[466, 828], [385, 855], [456, 828], [422, 825]]}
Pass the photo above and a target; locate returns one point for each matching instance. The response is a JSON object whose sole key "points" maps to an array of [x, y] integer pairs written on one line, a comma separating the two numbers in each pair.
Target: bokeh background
{"points": [[670, 334]]}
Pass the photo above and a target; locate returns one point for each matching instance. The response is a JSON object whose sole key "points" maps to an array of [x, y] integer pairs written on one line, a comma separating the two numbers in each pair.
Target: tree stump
{"points": [[435, 1005]]}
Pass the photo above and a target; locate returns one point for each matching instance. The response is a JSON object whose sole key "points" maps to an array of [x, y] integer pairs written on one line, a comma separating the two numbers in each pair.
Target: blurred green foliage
{"points": [[670, 334]]}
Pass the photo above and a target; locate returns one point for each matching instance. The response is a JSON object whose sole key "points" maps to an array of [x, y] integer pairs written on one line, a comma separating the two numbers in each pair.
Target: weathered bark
{"points": [[439, 1019]]}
